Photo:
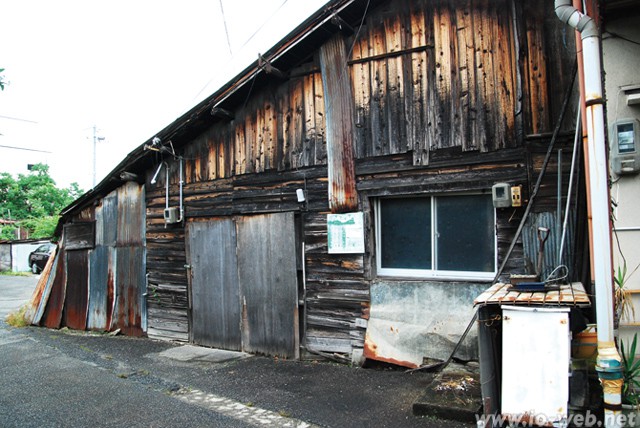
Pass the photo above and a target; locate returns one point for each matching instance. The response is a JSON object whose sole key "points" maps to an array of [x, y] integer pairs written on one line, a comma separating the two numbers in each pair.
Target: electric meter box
{"points": [[501, 194], [171, 215], [625, 154]]}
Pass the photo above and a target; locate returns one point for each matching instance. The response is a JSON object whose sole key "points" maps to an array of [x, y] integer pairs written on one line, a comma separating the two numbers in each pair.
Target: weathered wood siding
{"points": [[445, 93]]}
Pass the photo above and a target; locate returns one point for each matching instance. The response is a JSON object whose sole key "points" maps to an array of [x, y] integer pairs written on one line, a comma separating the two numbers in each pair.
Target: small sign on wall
{"points": [[345, 233]]}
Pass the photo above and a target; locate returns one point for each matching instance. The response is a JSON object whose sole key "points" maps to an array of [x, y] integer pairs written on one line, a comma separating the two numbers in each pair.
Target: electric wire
{"points": [[618, 36], [226, 29], [244, 44]]}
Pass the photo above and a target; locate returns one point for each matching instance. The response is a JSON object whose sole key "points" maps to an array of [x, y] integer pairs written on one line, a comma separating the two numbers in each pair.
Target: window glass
{"points": [[465, 233], [405, 233], [443, 236]]}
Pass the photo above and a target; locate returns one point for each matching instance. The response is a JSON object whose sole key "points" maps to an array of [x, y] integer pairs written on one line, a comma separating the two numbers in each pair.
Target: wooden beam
{"points": [[270, 69], [222, 113]]}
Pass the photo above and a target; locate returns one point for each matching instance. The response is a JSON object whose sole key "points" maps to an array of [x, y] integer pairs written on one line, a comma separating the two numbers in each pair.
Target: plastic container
{"points": [[585, 344]]}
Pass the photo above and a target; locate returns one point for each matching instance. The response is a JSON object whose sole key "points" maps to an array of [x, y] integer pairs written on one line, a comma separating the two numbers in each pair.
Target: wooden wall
{"points": [[445, 93]]}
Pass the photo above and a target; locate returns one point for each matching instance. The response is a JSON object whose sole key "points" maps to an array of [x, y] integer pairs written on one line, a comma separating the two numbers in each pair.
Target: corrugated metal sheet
{"points": [[101, 291], [106, 220], [131, 215], [52, 316], [531, 243], [130, 289], [343, 196], [77, 296]]}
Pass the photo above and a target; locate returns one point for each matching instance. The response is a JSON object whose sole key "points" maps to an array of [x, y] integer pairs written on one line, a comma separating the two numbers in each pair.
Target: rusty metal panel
{"points": [[131, 215], [215, 295], [343, 196], [52, 316], [79, 236], [410, 321], [130, 288], [101, 291], [268, 284], [43, 289], [107, 220], [77, 297]]}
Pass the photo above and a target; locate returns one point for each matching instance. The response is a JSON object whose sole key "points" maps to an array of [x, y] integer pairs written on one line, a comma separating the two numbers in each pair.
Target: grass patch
{"points": [[18, 318], [284, 414], [12, 273]]}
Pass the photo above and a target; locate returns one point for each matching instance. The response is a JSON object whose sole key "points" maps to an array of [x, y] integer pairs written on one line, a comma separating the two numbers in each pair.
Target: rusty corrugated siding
{"points": [[106, 220], [130, 289], [131, 215], [52, 316], [339, 111], [77, 296], [101, 291]]}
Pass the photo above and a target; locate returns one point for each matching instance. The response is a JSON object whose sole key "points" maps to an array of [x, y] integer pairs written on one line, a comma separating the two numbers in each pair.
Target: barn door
{"points": [[268, 284], [215, 300], [244, 284]]}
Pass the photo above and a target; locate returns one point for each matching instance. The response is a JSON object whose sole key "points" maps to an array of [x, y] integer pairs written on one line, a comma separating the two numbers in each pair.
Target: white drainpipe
{"points": [[608, 363]]}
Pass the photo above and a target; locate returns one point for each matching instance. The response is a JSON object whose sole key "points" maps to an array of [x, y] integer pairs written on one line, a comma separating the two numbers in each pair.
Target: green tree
{"points": [[34, 200], [2, 82]]}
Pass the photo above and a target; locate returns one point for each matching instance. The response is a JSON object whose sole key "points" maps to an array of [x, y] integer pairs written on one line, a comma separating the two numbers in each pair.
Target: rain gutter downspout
{"points": [[608, 362]]}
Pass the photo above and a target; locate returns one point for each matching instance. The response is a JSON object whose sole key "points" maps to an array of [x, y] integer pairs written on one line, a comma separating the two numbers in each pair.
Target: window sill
{"points": [[480, 279]]}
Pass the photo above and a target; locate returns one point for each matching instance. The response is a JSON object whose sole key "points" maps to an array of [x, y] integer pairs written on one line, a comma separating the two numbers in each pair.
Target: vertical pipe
{"points": [[574, 156], [181, 160], [608, 362], [559, 208]]}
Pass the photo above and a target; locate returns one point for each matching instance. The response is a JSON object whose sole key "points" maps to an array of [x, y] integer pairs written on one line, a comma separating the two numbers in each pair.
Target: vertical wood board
{"points": [[268, 284], [215, 297]]}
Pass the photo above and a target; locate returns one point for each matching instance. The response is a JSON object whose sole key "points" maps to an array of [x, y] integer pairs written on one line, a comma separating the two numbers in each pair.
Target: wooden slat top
{"points": [[572, 294]]}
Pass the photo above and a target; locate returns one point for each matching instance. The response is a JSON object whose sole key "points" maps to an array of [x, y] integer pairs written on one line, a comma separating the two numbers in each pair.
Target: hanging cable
{"points": [[226, 30]]}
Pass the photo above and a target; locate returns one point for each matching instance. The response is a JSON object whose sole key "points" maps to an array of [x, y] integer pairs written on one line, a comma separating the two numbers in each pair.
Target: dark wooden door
{"points": [[244, 284], [215, 299], [268, 284]]}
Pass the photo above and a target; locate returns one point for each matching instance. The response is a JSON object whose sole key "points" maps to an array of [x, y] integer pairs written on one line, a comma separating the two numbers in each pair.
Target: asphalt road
{"points": [[61, 378], [14, 291]]}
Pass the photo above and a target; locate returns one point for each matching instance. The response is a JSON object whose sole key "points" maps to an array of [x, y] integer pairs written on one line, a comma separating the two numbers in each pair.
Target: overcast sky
{"points": [[127, 67]]}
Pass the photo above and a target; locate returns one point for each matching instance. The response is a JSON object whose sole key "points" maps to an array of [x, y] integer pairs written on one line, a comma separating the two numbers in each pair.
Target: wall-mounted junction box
{"points": [[501, 194], [172, 215], [625, 155], [516, 196]]}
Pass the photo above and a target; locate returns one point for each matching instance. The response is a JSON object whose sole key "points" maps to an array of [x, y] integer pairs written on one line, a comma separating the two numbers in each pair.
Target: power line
{"points": [[23, 148], [17, 118], [245, 43], [226, 30]]}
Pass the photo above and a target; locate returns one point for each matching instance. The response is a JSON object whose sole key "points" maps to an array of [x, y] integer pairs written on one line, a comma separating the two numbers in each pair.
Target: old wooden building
{"points": [[335, 197]]}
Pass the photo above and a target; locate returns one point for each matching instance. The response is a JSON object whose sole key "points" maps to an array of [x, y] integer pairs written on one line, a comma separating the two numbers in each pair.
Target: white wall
{"points": [[622, 68], [20, 255]]}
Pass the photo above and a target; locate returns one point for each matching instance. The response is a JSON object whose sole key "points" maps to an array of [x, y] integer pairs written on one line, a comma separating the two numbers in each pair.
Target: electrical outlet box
{"points": [[516, 196], [625, 154], [171, 215], [501, 194]]}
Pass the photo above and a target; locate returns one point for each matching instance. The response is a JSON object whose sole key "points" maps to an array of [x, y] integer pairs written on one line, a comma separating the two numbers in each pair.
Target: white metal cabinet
{"points": [[535, 364]]}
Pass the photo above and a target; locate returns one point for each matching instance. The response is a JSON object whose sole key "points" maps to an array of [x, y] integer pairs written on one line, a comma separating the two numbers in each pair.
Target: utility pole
{"points": [[95, 140]]}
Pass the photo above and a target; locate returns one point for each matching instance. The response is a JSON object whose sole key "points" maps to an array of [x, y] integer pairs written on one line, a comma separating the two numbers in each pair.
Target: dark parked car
{"points": [[38, 258]]}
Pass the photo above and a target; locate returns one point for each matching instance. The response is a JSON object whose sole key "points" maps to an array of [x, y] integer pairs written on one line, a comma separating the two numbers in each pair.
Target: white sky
{"points": [[129, 67]]}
